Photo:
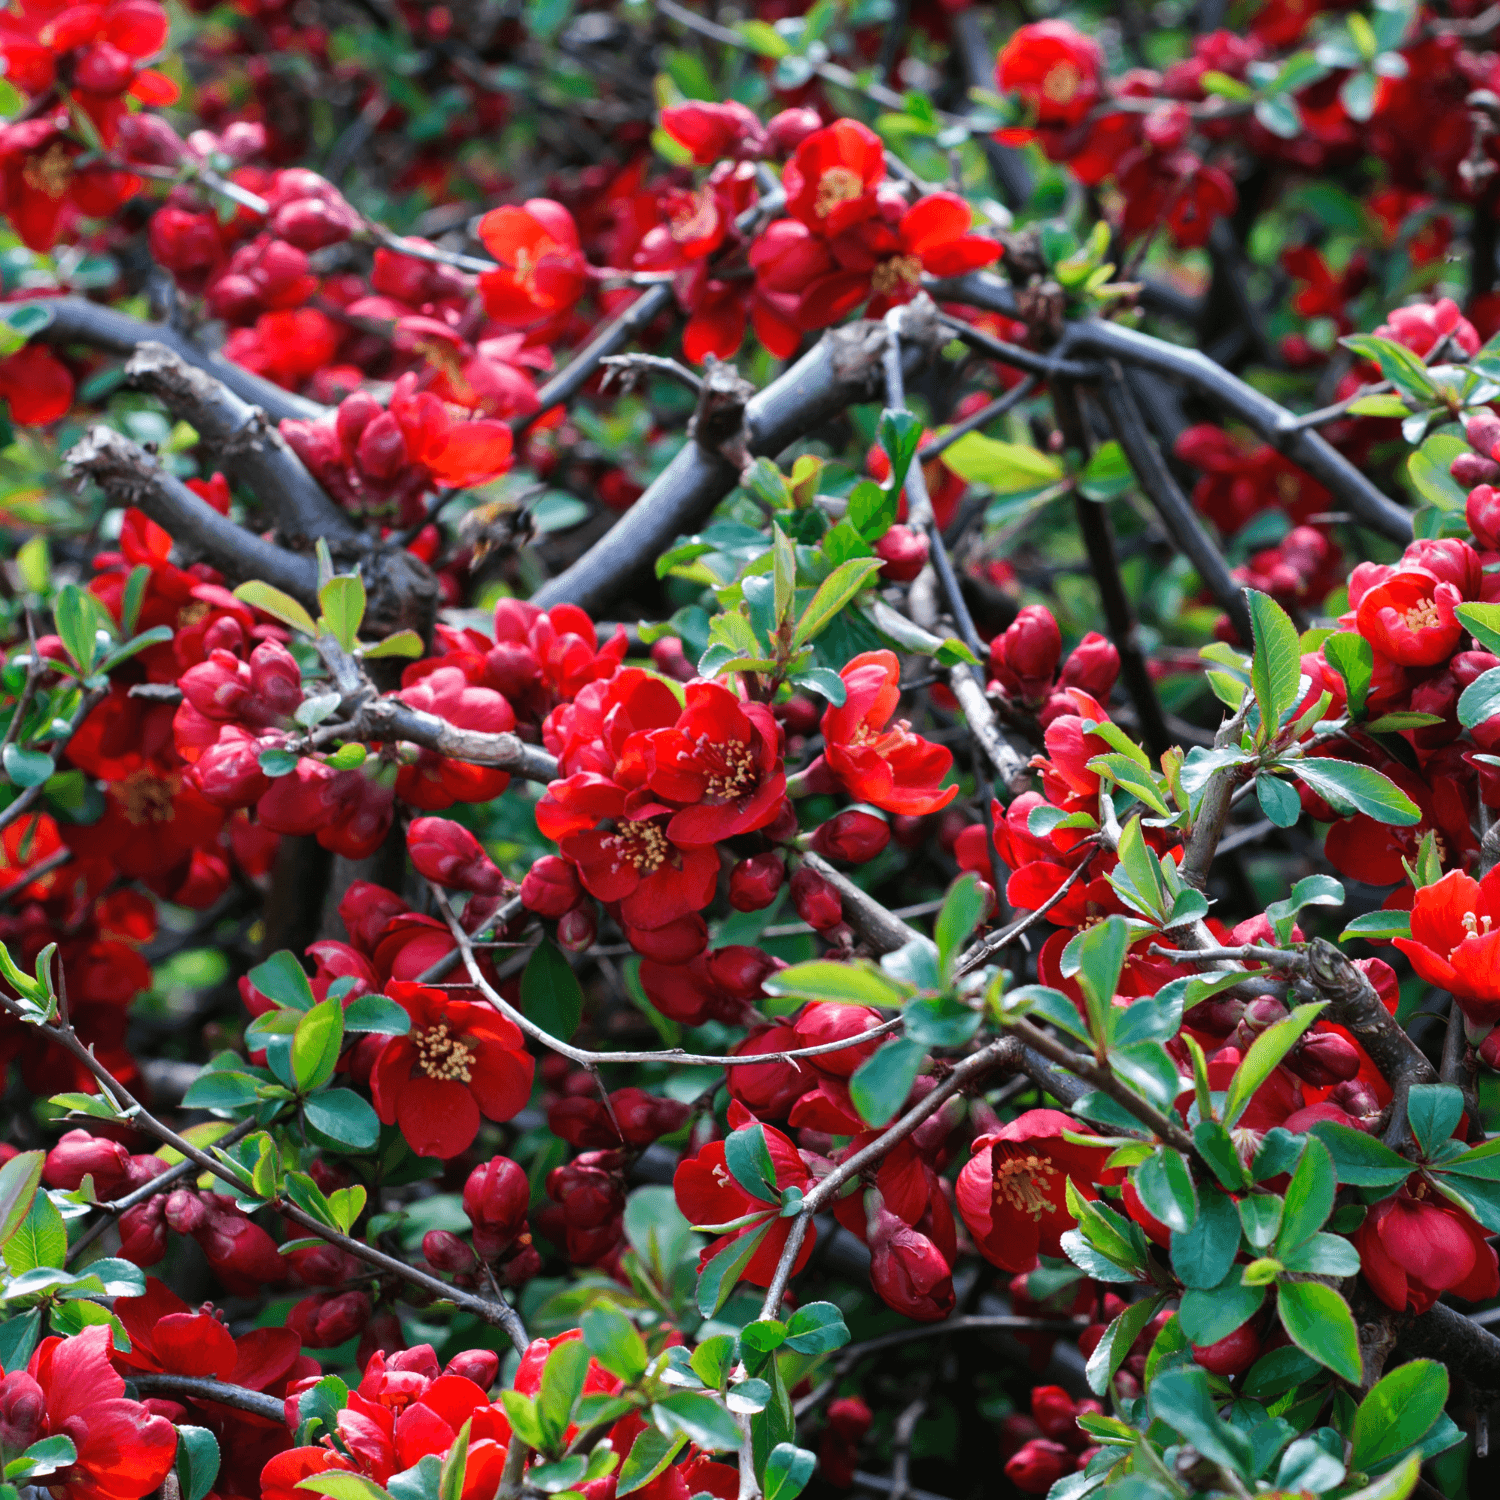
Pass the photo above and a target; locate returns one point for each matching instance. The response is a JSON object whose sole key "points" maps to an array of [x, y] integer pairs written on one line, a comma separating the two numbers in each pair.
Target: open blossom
{"points": [[1409, 618], [1011, 1190], [1455, 944], [542, 269], [877, 761], [832, 178], [1056, 70], [459, 1061], [1415, 1246]]}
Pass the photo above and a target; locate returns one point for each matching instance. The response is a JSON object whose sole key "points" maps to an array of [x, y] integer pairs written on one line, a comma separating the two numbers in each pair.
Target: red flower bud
{"points": [[496, 1198], [712, 131], [1323, 1058], [1483, 512], [668, 659], [447, 854], [382, 450], [754, 882], [675, 943], [768, 1090], [446, 1252], [902, 553], [1038, 1465], [577, 929], [1024, 657], [1231, 1355], [829, 1021], [852, 837], [740, 971], [1482, 429], [143, 1232], [482, 1366], [78, 1155], [787, 130], [1470, 469], [907, 1270], [22, 1407], [1093, 665], [326, 1319], [817, 902], [551, 886], [313, 223]]}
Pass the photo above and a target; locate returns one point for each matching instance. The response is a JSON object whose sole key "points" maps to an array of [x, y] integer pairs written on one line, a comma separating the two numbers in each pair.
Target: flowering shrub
{"points": [[743, 754]]}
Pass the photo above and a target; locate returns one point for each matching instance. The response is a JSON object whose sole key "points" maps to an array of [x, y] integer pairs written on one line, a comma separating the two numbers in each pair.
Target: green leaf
{"points": [[1182, 1400], [649, 1456], [1359, 1159], [961, 910], [278, 605], [344, 1117], [1111, 1350], [1101, 953], [339, 1485], [562, 1385], [718, 1277], [816, 1328], [28, 767], [1124, 772], [788, 1469], [1204, 1252], [524, 1421], [281, 978], [880, 1085], [18, 1338], [1353, 658], [40, 1240], [1477, 703], [47, 1456], [1433, 1110], [900, 434], [833, 594], [1276, 667], [700, 1417], [1165, 1185], [1277, 800], [197, 1461], [762, 38], [76, 613], [1404, 369], [375, 1014], [399, 643], [1107, 473], [1428, 469], [749, 1161], [1482, 621], [550, 993], [19, 1179], [1280, 116], [1378, 924], [1309, 1197], [1319, 1323], [1007, 468], [1350, 788], [615, 1342], [1398, 1412], [343, 602], [1210, 1315], [823, 979], [456, 1463], [316, 1045], [1311, 890]]}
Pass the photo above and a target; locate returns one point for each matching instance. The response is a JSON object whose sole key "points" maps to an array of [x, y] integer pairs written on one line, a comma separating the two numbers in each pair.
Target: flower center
{"points": [[732, 769], [644, 844], [442, 1056], [1061, 83], [1476, 925], [145, 797], [1423, 615], [837, 185], [897, 272], [692, 215], [49, 173], [1022, 1182]]}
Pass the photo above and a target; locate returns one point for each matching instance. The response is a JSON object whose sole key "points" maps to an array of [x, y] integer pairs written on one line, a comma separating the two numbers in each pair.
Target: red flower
{"points": [[43, 189], [832, 178], [1413, 1248], [1055, 69], [37, 385], [1010, 1192], [879, 762], [1453, 943], [124, 1451], [723, 759], [708, 1194], [542, 270], [459, 1061], [712, 131], [435, 781], [1409, 619]]}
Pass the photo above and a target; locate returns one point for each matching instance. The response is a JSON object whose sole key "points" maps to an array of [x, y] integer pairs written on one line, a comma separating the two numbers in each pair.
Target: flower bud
{"points": [[444, 1251], [355, 413], [829, 1021], [447, 854], [787, 130], [326, 1319], [1470, 469], [143, 1232], [1482, 510], [740, 971], [313, 223], [228, 773], [754, 882], [1093, 665], [1038, 1465], [275, 685], [78, 1155], [675, 943], [382, 451], [902, 553], [496, 1198], [768, 1090], [907, 1270], [22, 1407], [186, 1211], [551, 886], [1024, 657], [816, 901], [852, 837], [577, 929], [668, 658], [1323, 1058], [1231, 1355], [482, 1366], [1482, 428]]}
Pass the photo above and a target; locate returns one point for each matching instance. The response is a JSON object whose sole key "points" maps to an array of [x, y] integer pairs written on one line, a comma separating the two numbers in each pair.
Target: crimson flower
{"points": [[1010, 1192], [1453, 943], [37, 384], [124, 1450], [879, 762], [708, 1194], [435, 781], [1055, 69], [459, 1061], [542, 270], [722, 758], [1413, 1248], [832, 178], [1409, 619]]}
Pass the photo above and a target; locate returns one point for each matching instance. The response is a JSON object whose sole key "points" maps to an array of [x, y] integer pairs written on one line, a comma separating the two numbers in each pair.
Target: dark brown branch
{"points": [[196, 1388], [130, 476], [1174, 508], [76, 321], [390, 719]]}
